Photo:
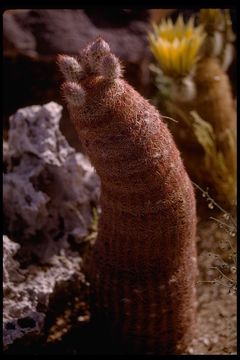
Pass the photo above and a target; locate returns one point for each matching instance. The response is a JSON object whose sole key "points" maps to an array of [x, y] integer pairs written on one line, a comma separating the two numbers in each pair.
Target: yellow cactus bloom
{"points": [[176, 46]]}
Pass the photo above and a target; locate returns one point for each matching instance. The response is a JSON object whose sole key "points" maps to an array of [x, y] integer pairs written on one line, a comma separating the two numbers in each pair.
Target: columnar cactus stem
{"points": [[215, 104], [143, 267]]}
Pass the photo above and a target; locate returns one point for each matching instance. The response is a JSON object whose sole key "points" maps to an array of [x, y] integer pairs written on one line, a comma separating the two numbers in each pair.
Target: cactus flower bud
{"points": [[73, 93], [70, 68], [110, 67]]}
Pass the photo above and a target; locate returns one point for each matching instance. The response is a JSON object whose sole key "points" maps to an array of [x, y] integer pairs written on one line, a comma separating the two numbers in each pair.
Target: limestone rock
{"points": [[48, 188], [47, 32], [48, 193], [25, 291]]}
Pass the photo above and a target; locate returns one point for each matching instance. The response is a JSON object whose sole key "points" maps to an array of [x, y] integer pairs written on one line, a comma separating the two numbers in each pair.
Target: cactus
{"points": [[191, 78], [214, 103], [143, 266], [220, 37], [176, 46]]}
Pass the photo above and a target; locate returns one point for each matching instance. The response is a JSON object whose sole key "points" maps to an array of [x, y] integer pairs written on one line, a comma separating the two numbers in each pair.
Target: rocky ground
{"points": [[70, 330], [216, 317]]}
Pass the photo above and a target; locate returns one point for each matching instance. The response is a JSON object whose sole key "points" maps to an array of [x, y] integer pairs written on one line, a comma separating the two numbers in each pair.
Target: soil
{"points": [[217, 301], [73, 331]]}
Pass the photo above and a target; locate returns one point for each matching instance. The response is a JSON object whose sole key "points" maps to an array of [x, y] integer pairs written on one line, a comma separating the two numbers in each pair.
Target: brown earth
{"points": [[217, 303]]}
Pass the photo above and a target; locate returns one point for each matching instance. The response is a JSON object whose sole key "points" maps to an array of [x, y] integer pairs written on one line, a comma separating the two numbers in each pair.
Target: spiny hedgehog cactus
{"points": [[143, 266], [190, 78]]}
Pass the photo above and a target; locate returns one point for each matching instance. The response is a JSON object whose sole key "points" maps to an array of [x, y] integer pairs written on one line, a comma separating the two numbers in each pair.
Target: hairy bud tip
{"points": [[110, 67], [73, 93], [70, 68]]}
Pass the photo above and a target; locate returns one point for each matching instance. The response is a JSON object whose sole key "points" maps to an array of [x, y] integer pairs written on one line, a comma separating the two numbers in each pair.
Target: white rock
{"points": [[26, 290], [48, 191], [48, 188]]}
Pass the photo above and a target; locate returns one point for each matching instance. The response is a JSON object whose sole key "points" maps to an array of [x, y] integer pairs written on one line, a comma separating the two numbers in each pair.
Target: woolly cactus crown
{"points": [[96, 59]]}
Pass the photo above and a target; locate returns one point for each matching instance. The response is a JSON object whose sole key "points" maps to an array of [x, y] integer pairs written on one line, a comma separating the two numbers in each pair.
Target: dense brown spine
{"points": [[143, 266]]}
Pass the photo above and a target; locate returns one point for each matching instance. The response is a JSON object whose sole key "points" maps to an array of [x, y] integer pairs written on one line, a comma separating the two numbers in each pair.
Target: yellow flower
{"points": [[176, 46]]}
